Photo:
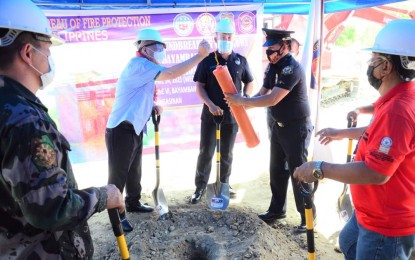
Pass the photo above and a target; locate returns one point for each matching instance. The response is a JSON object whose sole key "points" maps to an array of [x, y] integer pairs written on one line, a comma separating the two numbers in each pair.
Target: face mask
{"points": [[47, 77], [373, 81], [270, 52], [159, 56], [225, 46]]}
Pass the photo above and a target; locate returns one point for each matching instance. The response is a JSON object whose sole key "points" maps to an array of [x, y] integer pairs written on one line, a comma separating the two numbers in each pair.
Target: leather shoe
{"points": [[138, 207], [197, 196], [303, 227], [125, 224], [268, 216]]}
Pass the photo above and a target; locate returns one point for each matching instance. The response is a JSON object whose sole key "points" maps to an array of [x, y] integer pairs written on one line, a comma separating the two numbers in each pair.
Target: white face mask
{"points": [[225, 46], [159, 56], [47, 77]]}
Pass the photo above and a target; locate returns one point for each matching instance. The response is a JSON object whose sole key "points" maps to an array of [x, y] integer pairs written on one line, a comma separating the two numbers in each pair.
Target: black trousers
{"points": [[125, 150], [288, 143], [207, 150]]}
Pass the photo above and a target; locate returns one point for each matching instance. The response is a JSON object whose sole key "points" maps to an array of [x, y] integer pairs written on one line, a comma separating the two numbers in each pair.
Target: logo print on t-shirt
{"points": [[385, 145], [287, 70]]}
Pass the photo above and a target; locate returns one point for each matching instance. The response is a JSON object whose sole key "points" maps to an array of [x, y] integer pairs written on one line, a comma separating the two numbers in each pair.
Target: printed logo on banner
{"points": [[206, 24], [246, 22], [183, 24], [228, 16]]}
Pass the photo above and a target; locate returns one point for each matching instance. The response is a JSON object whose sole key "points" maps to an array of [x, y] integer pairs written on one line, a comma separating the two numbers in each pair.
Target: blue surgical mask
{"points": [[225, 46]]}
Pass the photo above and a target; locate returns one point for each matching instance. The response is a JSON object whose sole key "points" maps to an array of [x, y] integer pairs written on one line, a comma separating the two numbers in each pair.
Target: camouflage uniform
{"points": [[42, 213]]}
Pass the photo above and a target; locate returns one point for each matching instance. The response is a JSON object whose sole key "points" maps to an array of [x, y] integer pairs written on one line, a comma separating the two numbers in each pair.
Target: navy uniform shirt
{"points": [[288, 74], [42, 213], [240, 73]]}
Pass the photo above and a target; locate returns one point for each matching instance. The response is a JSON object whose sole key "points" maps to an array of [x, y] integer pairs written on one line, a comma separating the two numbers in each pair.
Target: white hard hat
{"points": [[396, 38], [149, 35], [225, 26], [22, 15]]}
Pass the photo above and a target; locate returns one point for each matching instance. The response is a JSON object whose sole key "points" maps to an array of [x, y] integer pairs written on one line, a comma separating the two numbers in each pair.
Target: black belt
{"points": [[285, 124]]}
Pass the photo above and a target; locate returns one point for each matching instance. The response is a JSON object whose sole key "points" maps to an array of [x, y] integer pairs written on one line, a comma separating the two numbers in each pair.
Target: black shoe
{"points": [[303, 226], [125, 224], [197, 196], [233, 194], [268, 216], [138, 207]]}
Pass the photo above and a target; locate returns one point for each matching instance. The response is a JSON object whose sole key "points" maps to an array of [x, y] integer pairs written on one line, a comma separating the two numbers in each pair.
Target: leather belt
{"points": [[285, 124]]}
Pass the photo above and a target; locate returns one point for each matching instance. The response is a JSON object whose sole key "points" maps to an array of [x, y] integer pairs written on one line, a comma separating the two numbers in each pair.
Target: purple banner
{"points": [[125, 27], [182, 33], [84, 97]]}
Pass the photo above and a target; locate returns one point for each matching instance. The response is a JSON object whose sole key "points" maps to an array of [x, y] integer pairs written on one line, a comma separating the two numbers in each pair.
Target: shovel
{"points": [[158, 195], [217, 193], [344, 203], [309, 219], [119, 233]]}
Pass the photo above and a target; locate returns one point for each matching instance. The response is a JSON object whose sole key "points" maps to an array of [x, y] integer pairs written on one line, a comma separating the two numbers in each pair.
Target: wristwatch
{"points": [[317, 172]]}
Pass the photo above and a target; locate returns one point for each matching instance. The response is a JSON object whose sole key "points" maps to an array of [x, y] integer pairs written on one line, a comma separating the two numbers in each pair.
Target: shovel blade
{"points": [[210, 192], [160, 201], [345, 207], [217, 200]]}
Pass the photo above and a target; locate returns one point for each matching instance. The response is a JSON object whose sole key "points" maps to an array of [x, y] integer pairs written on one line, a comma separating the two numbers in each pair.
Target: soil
{"points": [[197, 232]]}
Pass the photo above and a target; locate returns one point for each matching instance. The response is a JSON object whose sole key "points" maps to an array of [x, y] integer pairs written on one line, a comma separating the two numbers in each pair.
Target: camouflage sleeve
{"points": [[37, 168]]}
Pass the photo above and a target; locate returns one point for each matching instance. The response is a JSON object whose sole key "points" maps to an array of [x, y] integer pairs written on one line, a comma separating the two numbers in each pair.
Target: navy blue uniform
{"points": [[291, 131], [240, 73]]}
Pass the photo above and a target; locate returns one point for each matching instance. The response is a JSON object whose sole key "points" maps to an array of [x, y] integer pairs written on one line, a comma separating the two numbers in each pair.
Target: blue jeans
{"points": [[357, 242]]}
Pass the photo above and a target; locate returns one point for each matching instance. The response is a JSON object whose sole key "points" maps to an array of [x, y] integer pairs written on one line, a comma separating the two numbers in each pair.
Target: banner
{"points": [[75, 29], [98, 46]]}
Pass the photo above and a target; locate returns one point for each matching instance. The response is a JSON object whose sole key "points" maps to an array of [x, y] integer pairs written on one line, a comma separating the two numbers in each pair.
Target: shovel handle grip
{"points": [[218, 119], [119, 233], [351, 123], [155, 118], [307, 192]]}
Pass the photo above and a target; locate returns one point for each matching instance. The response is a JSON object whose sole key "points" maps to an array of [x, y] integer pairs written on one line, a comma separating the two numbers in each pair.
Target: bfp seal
{"points": [[206, 24], [183, 24], [246, 22]]}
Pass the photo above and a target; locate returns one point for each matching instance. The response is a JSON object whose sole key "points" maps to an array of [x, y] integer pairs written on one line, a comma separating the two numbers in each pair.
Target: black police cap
{"points": [[273, 36]]}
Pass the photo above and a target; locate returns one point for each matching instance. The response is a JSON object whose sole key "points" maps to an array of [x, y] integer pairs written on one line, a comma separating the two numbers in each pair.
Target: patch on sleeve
{"points": [[43, 153], [385, 145], [287, 70]]}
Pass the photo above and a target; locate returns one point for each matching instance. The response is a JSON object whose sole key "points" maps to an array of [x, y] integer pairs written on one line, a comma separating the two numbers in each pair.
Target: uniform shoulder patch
{"points": [[385, 145], [43, 153], [287, 70]]}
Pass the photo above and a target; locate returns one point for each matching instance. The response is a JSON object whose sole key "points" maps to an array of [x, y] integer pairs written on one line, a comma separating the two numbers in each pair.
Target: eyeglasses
{"points": [[159, 46]]}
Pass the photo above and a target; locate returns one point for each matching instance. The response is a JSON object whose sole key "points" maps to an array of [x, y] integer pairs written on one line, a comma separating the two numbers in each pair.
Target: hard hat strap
{"points": [[9, 37]]}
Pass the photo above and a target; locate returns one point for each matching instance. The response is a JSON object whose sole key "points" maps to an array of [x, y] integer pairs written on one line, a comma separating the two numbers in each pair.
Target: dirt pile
{"points": [[194, 232]]}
